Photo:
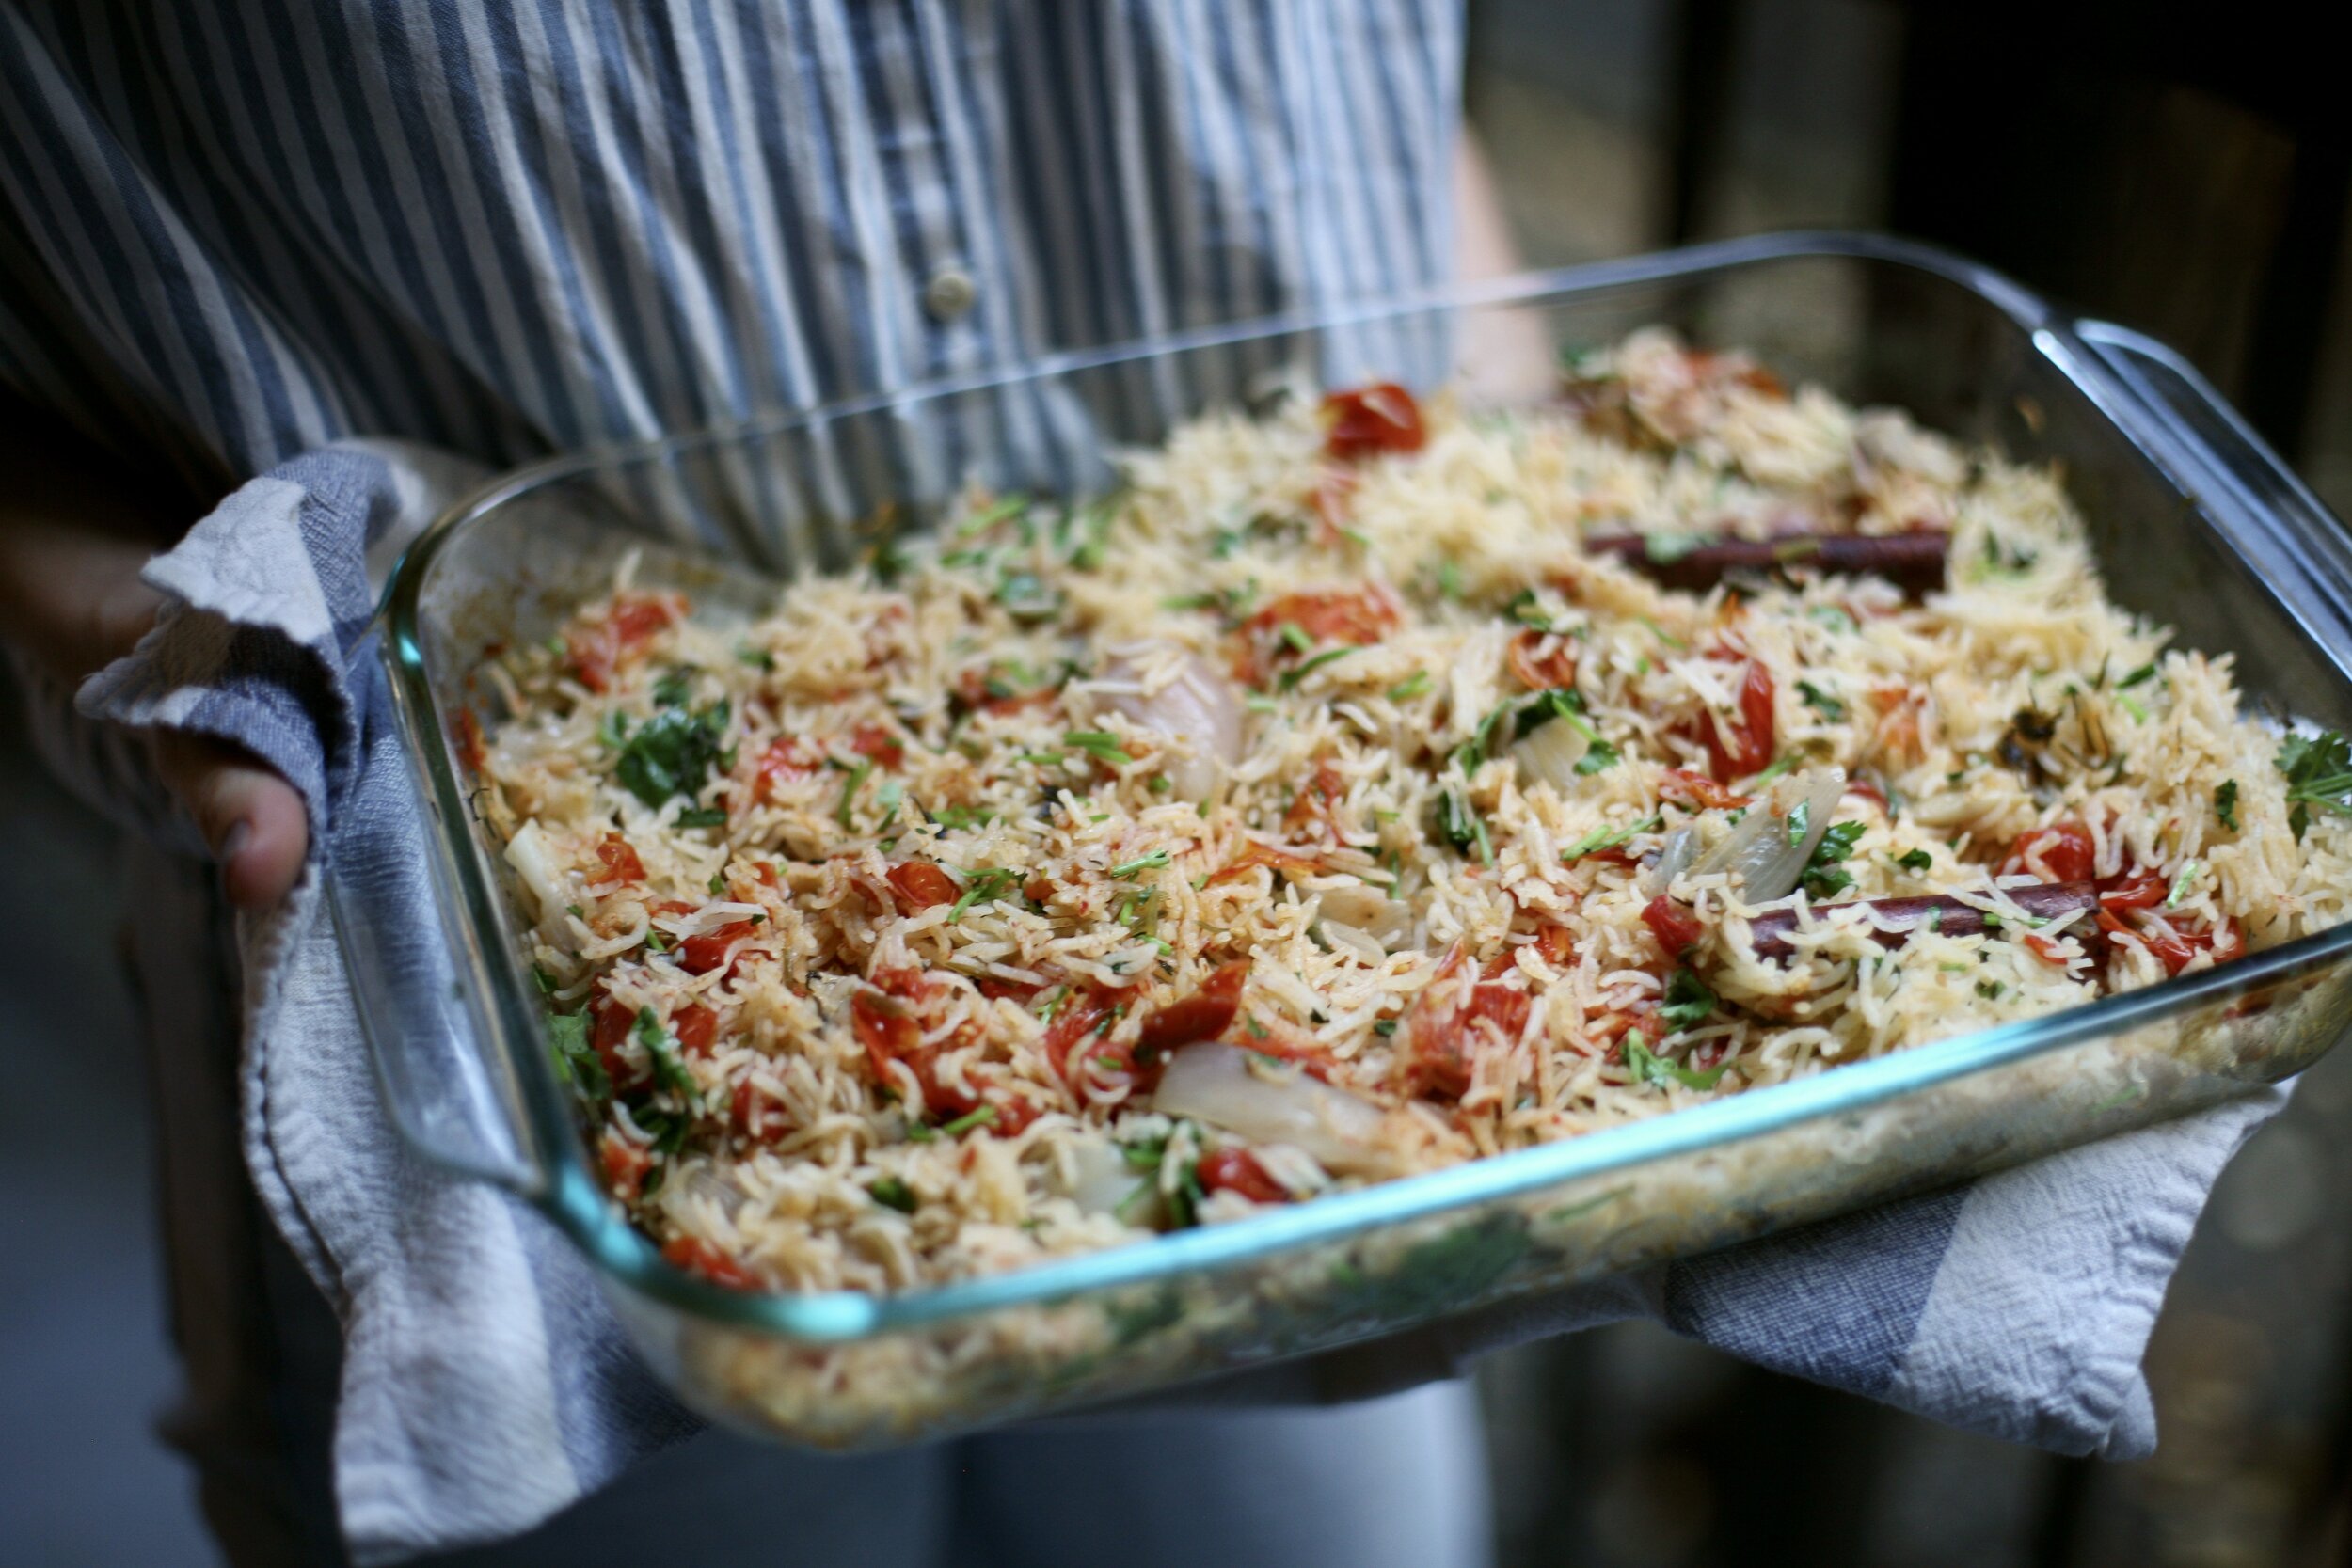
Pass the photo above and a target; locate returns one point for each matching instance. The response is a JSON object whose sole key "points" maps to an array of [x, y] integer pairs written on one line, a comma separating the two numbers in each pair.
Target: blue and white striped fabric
{"points": [[266, 238]]}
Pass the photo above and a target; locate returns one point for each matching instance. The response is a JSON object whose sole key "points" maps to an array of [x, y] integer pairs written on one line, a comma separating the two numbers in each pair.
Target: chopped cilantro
{"points": [[661, 1050], [1415, 685], [1821, 701], [955, 818], [673, 752], [702, 816], [1799, 823], [1776, 769], [758, 659], [674, 686], [1916, 860], [2225, 804], [1296, 637], [2181, 882], [2145, 672], [1384, 1027], [1688, 1002], [576, 1060], [1647, 1066], [1824, 877]]}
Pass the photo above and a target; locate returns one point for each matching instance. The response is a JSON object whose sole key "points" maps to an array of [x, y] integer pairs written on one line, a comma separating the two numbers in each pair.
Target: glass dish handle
{"points": [[415, 973], [2304, 552]]}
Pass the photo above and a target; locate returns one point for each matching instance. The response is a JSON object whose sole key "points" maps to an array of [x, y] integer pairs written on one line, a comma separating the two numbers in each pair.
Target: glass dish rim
{"points": [[567, 1194]]}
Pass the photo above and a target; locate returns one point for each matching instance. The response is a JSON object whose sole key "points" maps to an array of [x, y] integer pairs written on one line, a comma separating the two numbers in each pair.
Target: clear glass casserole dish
{"points": [[2194, 521]]}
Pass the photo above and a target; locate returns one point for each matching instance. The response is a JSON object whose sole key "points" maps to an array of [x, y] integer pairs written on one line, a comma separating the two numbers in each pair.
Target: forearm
{"points": [[1482, 245]]}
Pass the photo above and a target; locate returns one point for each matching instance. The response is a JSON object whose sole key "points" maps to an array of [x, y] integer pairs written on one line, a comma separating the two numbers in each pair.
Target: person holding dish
{"points": [[258, 256]]}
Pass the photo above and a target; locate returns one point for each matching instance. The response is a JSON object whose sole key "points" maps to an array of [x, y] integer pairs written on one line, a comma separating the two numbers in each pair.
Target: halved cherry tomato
{"points": [[921, 885], [1330, 617], [610, 1021], [2061, 852], [631, 621], [1236, 1170], [1317, 800], [1254, 854], [1443, 1027], [1205, 1015], [700, 954], [619, 860], [1541, 668], [1696, 789], [625, 1163], [707, 1259], [1367, 421], [757, 1116], [1738, 751], [1676, 927], [2132, 890], [786, 758], [2046, 949], [696, 1027], [884, 749]]}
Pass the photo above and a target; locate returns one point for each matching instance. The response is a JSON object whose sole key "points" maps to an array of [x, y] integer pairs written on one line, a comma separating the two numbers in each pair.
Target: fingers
{"points": [[251, 817]]}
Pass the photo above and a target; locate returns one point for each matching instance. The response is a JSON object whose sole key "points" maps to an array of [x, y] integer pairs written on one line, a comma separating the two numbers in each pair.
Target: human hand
{"points": [[71, 598]]}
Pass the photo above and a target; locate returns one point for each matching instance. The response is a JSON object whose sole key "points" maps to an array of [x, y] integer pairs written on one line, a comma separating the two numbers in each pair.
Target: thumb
{"points": [[249, 815]]}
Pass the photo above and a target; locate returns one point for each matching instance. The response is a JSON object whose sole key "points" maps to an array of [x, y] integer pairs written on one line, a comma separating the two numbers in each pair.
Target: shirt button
{"points": [[949, 294]]}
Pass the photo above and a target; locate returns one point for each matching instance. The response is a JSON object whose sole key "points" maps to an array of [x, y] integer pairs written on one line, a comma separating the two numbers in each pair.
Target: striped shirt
{"points": [[232, 230]]}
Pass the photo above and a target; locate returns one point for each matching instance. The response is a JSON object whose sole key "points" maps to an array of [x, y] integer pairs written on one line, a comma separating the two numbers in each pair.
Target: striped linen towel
{"points": [[485, 1384]]}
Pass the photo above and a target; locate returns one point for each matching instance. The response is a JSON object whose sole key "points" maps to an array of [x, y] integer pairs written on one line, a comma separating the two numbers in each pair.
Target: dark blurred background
{"points": [[2184, 169]]}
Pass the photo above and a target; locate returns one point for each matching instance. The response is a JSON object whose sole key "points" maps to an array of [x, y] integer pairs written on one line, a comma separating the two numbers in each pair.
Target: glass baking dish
{"points": [[2195, 522]]}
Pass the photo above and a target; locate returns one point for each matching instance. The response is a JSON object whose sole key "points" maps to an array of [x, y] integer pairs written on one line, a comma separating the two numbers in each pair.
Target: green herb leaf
{"points": [[1775, 770], [1799, 823], [702, 816], [1916, 860], [1821, 701], [1293, 634], [1649, 1068], [2318, 771], [956, 819], [672, 754], [661, 1050], [1688, 1002], [674, 686], [1415, 685], [2181, 882], [1823, 877], [2225, 804], [2144, 673], [576, 1060], [1665, 546]]}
